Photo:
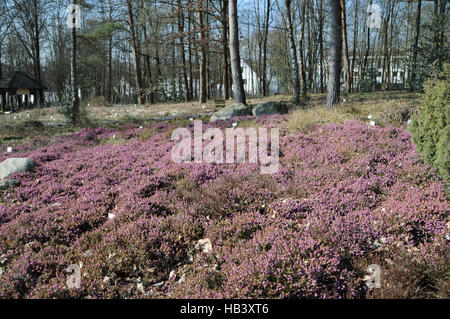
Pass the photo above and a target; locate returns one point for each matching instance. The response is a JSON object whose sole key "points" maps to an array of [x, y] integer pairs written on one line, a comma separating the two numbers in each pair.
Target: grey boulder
{"points": [[15, 165], [270, 107], [231, 111]]}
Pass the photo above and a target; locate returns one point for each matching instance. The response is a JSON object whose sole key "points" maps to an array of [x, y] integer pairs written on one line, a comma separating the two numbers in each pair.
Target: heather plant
{"points": [[432, 125], [345, 196]]}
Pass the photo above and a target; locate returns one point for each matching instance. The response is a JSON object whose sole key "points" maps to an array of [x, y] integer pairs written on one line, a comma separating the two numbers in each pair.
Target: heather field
{"points": [[111, 200]]}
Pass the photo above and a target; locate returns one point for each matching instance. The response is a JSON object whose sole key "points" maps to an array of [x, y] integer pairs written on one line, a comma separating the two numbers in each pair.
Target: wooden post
{"points": [[19, 102]]}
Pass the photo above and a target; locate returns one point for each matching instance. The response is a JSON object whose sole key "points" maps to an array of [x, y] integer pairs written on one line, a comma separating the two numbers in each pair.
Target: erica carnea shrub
{"points": [[345, 196], [431, 126]]}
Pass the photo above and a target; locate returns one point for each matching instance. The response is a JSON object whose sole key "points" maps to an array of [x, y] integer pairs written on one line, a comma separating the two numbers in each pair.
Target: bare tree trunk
{"points": [[208, 70], [191, 80], [415, 46], [149, 69], [264, 67], [334, 72], [225, 50], [203, 52], [348, 71], [294, 63], [236, 71], [310, 51], [37, 47], [386, 56], [355, 41], [321, 18], [109, 89], [366, 55], [74, 84], [304, 88], [136, 53], [182, 50]]}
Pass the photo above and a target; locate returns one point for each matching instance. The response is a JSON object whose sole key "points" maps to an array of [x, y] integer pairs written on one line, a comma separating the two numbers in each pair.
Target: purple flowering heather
{"points": [[344, 197]]}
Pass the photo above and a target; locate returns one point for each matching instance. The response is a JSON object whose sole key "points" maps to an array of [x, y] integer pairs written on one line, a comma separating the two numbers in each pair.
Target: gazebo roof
{"points": [[19, 80]]}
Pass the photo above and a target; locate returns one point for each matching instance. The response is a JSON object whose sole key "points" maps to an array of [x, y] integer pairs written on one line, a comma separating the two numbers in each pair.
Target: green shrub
{"points": [[431, 127]]}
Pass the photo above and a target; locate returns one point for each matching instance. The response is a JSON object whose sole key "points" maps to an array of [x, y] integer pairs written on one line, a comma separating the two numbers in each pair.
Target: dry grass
{"points": [[380, 105], [305, 120], [353, 107]]}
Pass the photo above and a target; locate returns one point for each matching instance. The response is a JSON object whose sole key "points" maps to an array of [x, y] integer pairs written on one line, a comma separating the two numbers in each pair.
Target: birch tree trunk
{"points": [[236, 71], [334, 71]]}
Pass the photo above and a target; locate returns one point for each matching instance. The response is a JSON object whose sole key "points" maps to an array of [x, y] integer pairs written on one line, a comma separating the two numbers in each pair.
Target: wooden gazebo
{"points": [[16, 89]]}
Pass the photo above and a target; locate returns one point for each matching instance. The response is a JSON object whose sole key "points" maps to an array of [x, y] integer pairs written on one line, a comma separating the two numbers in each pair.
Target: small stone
{"points": [[205, 245], [159, 284], [172, 275], [140, 288], [111, 216], [3, 259], [107, 280], [372, 123]]}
